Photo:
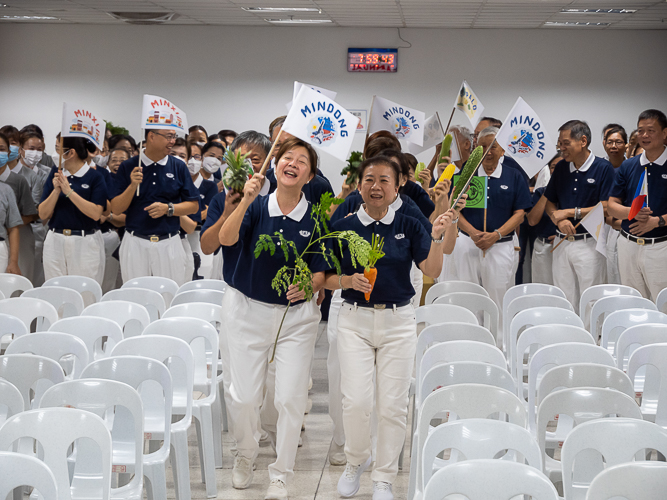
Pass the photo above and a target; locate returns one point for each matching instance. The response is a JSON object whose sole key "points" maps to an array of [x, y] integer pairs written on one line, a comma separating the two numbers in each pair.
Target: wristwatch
{"points": [[661, 221], [170, 209], [442, 238]]}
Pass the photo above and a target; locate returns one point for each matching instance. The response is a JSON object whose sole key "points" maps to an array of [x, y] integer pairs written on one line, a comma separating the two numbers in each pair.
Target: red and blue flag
{"points": [[641, 194]]}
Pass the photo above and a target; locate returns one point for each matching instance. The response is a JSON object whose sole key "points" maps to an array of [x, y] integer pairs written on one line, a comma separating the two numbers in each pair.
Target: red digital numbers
{"points": [[376, 62]]}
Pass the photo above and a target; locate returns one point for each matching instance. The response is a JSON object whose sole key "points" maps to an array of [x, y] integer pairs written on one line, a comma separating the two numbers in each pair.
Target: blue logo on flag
{"points": [[402, 127], [322, 130], [522, 142]]}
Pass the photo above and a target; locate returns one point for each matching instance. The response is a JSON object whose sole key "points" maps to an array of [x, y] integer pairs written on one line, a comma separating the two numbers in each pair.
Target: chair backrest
{"points": [[530, 289], [90, 290], [524, 302], [67, 302], [618, 321], [446, 287], [207, 284], [30, 372], [637, 336], [100, 396], [29, 310], [199, 295], [597, 292], [208, 312], [574, 375], [11, 398], [168, 288], [56, 346], [444, 313], [608, 305], [478, 438], [661, 301], [56, 429], [12, 285], [463, 372], [625, 480], [502, 480], [617, 440], [477, 304], [21, 470], [11, 326], [131, 317], [654, 396], [92, 330], [150, 299]]}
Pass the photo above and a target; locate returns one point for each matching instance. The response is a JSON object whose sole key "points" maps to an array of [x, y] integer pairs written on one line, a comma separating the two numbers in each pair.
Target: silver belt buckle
{"points": [[379, 306]]}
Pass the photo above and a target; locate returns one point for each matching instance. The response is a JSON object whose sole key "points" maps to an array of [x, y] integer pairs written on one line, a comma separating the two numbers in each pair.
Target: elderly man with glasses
{"points": [[152, 245]]}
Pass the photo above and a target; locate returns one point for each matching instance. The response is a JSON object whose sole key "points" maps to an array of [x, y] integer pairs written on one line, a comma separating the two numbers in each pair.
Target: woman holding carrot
{"points": [[378, 336]]}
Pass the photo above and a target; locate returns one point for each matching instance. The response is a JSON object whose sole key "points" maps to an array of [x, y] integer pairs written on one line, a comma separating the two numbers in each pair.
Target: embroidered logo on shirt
{"points": [[171, 176], [664, 176], [305, 234], [504, 187], [85, 186], [591, 181], [399, 236], [202, 196]]}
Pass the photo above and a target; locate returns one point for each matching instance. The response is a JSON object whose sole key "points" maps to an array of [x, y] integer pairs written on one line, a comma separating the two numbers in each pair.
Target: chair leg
{"points": [[155, 481], [207, 450], [218, 422], [180, 464]]}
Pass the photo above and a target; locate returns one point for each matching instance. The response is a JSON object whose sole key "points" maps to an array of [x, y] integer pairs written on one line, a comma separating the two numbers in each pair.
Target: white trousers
{"points": [[643, 267], [542, 262], [417, 279], [378, 342], [111, 264], [251, 330], [449, 265], [26, 252], [4, 257], [74, 255], [189, 259], [333, 370], [613, 272], [140, 257], [577, 265]]}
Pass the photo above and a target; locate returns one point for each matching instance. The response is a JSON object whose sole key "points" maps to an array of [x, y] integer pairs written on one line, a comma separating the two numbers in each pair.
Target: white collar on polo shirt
{"points": [[17, 168], [145, 159], [367, 220], [296, 214], [587, 164], [5, 175], [199, 180], [398, 203], [79, 173], [496, 173], [660, 161]]}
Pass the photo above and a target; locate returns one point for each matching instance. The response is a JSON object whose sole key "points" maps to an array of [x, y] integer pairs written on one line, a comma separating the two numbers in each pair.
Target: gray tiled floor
{"points": [[314, 478]]}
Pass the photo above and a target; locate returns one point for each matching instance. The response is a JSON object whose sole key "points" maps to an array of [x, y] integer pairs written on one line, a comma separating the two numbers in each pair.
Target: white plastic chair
{"points": [[135, 371], [169, 350], [478, 305], [530, 289], [10, 327], [56, 429], [29, 310], [618, 321], [11, 400], [131, 317], [18, 470], [199, 295], [654, 395], [446, 287], [207, 284], [90, 290], [597, 292], [637, 336], [92, 330], [67, 302], [661, 301], [617, 440], [497, 479], [582, 405], [203, 340], [12, 285], [645, 480], [56, 346], [150, 299], [168, 288], [100, 397], [608, 305], [31, 375], [525, 302], [444, 313]]}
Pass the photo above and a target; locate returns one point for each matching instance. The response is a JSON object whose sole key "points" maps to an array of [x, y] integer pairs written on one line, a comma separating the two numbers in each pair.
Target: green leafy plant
{"points": [[350, 171], [116, 129], [237, 172], [300, 274]]}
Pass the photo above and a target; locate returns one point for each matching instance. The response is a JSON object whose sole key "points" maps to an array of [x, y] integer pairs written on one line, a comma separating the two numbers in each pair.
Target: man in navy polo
{"points": [[642, 247], [579, 182], [152, 245]]}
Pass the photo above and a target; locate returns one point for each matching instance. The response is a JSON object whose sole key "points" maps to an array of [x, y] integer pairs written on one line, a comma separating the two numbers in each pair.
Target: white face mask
{"points": [[194, 166], [211, 164], [56, 158], [32, 158], [201, 144], [101, 161]]}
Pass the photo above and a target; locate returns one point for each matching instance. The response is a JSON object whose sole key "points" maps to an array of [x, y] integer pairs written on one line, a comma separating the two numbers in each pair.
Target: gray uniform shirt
{"points": [[9, 211], [36, 180], [19, 185]]}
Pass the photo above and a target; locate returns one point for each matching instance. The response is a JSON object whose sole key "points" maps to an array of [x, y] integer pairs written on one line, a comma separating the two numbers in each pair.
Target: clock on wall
{"points": [[372, 60]]}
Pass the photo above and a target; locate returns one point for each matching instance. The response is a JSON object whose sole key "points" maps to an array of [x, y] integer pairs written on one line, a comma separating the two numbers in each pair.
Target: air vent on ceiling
{"points": [[144, 17]]}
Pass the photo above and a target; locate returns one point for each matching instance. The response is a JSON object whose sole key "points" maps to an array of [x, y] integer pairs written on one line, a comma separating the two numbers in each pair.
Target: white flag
{"points": [[321, 122], [468, 103], [405, 123], [595, 225], [432, 137], [297, 86], [82, 122], [159, 113], [524, 137]]}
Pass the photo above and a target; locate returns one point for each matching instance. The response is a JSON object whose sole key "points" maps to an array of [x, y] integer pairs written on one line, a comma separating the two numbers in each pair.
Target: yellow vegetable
{"points": [[447, 173]]}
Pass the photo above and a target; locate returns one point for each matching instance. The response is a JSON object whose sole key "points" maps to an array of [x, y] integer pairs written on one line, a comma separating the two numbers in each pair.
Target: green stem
{"points": [[275, 344]]}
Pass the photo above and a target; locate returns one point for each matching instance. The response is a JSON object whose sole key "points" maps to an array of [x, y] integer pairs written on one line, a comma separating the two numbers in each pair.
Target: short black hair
{"points": [[616, 130], [403, 164], [195, 128], [608, 126], [33, 128], [578, 129], [654, 114], [78, 144], [115, 139], [212, 144], [379, 160], [495, 122], [251, 139]]}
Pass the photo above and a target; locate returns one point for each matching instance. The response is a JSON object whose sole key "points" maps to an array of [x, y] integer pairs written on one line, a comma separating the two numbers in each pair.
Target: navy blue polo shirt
{"points": [[627, 180], [545, 228], [405, 241], [169, 182], [508, 161], [253, 276], [507, 192], [585, 187], [313, 190], [87, 183], [419, 196], [405, 207], [230, 255]]}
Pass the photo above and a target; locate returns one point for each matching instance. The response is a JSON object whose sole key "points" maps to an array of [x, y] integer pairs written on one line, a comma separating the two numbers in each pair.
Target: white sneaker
{"points": [[264, 439], [337, 454], [242, 472], [348, 484], [382, 491], [277, 490]]}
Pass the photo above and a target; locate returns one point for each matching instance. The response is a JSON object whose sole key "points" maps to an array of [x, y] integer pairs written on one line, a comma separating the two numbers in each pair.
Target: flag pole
{"points": [[139, 164], [268, 156], [565, 239], [60, 156], [444, 131], [484, 251], [370, 117]]}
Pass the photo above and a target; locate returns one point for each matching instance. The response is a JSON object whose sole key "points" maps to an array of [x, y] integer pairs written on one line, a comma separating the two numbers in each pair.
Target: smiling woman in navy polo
{"points": [[73, 201], [253, 311]]}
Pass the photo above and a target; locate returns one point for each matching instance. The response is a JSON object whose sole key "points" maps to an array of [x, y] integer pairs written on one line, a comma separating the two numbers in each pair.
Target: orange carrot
{"points": [[370, 274]]}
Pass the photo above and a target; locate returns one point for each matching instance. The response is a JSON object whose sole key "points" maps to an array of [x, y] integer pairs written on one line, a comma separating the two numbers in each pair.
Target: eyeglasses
{"points": [[618, 143], [197, 157], [169, 137]]}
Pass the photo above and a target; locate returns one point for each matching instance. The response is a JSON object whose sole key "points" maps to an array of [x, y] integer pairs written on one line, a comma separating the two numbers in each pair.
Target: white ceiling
{"points": [[354, 13]]}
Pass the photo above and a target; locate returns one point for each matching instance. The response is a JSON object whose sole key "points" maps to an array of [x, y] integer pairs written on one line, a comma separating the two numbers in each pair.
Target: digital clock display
{"points": [[372, 60]]}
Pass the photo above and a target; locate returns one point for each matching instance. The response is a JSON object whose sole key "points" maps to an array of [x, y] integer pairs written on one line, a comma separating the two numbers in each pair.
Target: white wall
{"points": [[241, 77]]}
